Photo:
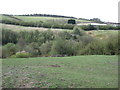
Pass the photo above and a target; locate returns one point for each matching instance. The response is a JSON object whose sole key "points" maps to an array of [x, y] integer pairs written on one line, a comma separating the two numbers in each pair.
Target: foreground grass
{"points": [[97, 71]]}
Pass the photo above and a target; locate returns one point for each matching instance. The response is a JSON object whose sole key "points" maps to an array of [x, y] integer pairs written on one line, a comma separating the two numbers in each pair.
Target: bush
{"points": [[4, 52], [78, 31], [21, 54], [9, 49], [64, 35], [0, 51], [86, 39], [112, 45], [46, 48], [108, 46], [88, 27], [35, 51], [39, 24], [96, 47], [9, 36], [64, 47]]}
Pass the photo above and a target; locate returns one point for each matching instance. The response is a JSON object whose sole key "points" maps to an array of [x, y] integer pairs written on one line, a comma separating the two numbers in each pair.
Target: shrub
{"points": [[88, 27], [9, 49], [86, 39], [46, 48], [9, 36], [0, 51], [78, 31], [4, 52], [112, 45], [35, 49], [64, 35], [21, 54], [108, 46], [64, 47], [96, 47]]}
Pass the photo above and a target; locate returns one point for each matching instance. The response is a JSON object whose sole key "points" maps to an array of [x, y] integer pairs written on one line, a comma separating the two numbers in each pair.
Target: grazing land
{"points": [[95, 71], [39, 18], [18, 28]]}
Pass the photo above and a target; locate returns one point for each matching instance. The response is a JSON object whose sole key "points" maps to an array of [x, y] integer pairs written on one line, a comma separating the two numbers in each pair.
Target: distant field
{"points": [[23, 28], [97, 71], [95, 33], [102, 33], [45, 19], [39, 18]]}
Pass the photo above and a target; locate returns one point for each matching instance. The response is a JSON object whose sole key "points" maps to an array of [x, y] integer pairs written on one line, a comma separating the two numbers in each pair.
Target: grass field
{"points": [[102, 34], [40, 18], [97, 71], [18, 28], [37, 18]]}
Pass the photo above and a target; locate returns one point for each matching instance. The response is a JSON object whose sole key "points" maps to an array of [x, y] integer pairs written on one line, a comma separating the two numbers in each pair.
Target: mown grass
{"points": [[96, 71]]}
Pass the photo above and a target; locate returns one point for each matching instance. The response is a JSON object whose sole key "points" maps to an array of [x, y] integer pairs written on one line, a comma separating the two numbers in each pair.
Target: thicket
{"points": [[48, 43]]}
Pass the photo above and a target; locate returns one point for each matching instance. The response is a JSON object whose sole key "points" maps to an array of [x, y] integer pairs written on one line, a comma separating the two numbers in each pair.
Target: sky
{"points": [[106, 10]]}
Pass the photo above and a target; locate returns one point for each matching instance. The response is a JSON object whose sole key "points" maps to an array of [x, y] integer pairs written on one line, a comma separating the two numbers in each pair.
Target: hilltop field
{"points": [[47, 52]]}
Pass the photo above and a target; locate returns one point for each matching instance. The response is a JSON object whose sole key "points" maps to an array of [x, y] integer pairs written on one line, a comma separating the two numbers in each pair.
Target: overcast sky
{"points": [[106, 10]]}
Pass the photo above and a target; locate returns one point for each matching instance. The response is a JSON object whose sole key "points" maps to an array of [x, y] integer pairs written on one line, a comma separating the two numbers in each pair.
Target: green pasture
{"points": [[97, 71]]}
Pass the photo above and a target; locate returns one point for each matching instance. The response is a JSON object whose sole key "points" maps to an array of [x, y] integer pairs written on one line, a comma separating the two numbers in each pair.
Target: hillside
{"points": [[54, 22], [18, 28], [40, 18], [101, 34]]}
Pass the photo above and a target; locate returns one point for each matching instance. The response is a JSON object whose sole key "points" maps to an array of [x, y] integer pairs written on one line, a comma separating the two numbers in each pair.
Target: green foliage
{"points": [[46, 48], [48, 43], [21, 54], [97, 20], [64, 47], [108, 46], [78, 31], [9, 36], [64, 35], [4, 52], [96, 47], [106, 27], [9, 49], [39, 24], [0, 51], [33, 48], [88, 27], [85, 39], [112, 45]]}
